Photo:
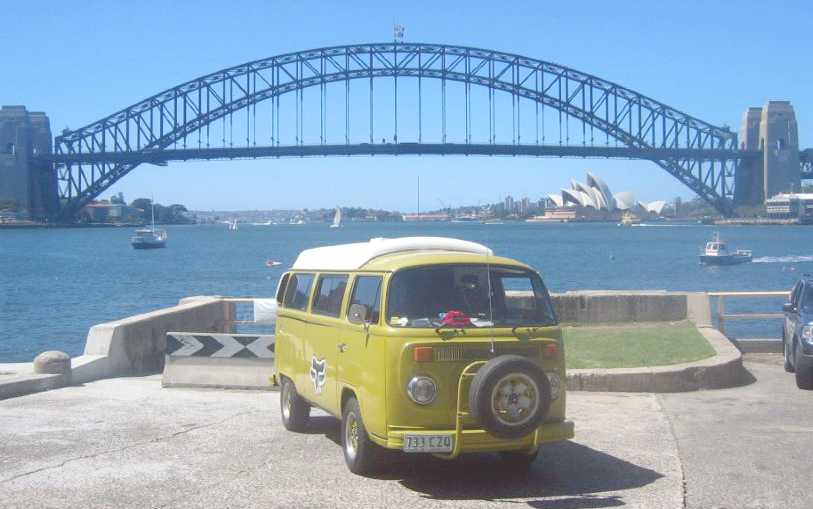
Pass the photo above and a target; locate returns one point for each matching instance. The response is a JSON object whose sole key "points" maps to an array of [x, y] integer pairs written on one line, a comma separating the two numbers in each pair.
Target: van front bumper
{"points": [[480, 440]]}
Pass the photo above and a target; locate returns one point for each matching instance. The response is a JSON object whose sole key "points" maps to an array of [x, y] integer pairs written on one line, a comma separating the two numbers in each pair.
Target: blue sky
{"points": [[81, 61]]}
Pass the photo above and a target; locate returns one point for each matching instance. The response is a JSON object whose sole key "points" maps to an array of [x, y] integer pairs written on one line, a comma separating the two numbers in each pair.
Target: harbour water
{"points": [[56, 283]]}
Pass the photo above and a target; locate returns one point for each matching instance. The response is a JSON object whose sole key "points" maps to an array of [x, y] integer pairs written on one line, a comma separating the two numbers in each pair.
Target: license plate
{"points": [[428, 443]]}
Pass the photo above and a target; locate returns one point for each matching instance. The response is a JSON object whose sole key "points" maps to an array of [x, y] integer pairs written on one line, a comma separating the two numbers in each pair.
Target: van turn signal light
{"points": [[550, 351], [422, 354]]}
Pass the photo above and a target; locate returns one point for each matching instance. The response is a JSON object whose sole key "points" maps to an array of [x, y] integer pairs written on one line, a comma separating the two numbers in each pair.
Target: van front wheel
{"points": [[294, 409], [360, 453]]}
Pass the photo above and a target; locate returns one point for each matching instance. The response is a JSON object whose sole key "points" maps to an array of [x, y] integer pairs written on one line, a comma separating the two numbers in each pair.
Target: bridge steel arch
{"points": [[91, 159]]}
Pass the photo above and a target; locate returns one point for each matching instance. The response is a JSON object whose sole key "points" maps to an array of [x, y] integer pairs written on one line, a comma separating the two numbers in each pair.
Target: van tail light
{"points": [[550, 351], [422, 354]]}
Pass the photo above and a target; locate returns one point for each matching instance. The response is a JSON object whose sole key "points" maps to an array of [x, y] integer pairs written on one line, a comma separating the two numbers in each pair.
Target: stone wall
{"points": [[620, 306]]}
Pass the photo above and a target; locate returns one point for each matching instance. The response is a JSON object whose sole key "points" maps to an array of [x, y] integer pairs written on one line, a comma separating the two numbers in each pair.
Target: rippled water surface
{"points": [[55, 284]]}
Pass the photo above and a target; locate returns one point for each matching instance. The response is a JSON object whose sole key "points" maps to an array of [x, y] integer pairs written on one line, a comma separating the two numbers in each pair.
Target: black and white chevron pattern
{"points": [[182, 344]]}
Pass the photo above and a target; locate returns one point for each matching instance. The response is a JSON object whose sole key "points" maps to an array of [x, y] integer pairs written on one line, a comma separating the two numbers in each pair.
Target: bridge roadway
{"points": [[127, 442], [157, 156]]}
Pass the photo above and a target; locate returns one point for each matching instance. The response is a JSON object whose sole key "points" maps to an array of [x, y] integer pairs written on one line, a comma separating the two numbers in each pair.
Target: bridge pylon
{"points": [[28, 183], [773, 131]]}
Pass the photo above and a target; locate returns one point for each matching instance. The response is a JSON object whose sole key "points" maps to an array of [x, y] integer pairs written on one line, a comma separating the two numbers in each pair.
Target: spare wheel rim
{"points": [[515, 399]]}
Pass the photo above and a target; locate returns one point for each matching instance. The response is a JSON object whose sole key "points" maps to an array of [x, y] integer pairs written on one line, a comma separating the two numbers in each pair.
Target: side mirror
{"points": [[788, 307], [358, 313]]}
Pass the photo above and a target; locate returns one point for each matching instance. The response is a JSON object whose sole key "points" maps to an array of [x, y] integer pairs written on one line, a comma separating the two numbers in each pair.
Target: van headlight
{"points": [[555, 385], [422, 390]]}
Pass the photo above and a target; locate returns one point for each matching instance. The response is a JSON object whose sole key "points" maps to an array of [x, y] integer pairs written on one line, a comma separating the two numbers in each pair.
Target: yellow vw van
{"points": [[421, 344]]}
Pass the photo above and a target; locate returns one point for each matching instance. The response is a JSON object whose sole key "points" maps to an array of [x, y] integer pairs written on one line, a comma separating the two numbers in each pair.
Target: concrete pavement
{"points": [[748, 447], [127, 442]]}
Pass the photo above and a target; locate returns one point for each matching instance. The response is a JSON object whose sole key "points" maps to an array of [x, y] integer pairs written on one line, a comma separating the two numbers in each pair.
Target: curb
{"points": [[720, 371], [30, 383]]}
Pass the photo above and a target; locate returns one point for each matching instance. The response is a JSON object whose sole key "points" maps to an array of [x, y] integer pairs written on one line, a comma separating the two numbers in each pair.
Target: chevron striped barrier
{"points": [[234, 361], [220, 345]]}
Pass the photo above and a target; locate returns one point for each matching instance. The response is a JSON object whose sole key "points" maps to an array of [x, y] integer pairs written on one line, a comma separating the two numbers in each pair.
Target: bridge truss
{"points": [[237, 112]]}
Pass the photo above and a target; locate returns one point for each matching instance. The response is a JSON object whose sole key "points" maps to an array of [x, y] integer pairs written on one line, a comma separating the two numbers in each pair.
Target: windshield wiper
{"points": [[447, 334], [531, 331]]}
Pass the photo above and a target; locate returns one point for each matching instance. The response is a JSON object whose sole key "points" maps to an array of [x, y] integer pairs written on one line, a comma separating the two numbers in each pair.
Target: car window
{"points": [[794, 297], [807, 301], [297, 291], [367, 291], [329, 294]]}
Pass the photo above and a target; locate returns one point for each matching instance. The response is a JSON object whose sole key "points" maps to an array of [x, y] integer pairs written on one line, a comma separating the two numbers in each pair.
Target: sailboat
{"points": [[337, 219], [233, 226], [149, 238]]}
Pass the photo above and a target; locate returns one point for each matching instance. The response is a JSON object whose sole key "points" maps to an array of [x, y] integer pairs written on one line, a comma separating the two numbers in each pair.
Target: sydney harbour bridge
{"points": [[398, 99]]}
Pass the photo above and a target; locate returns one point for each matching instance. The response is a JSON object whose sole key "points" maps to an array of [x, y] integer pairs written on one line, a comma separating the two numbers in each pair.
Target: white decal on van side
{"points": [[318, 370]]}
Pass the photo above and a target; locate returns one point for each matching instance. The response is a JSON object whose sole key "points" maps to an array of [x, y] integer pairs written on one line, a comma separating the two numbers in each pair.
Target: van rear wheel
{"points": [[294, 409], [361, 455]]}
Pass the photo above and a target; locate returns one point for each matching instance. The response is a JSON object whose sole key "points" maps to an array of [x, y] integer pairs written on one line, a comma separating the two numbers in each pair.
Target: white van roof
{"points": [[354, 256]]}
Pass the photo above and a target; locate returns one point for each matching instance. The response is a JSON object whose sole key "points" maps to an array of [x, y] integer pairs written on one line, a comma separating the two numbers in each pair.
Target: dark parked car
{"points": [[797, 333]]}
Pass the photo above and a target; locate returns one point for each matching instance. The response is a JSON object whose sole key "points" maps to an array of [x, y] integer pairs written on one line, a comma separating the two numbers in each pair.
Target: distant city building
{"points": [[524, 206], [509, 204]]}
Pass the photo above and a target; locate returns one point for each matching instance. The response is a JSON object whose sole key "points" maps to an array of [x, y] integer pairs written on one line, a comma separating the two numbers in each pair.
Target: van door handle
{"points": [[342, 347]]}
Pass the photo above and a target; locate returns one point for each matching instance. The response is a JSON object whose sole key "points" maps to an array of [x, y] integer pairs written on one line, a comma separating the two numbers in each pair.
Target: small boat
{"points": [[717, 253], [629, 219], [266, 223], [337, 219], [149, 238], [272, 263], [233, 226]]}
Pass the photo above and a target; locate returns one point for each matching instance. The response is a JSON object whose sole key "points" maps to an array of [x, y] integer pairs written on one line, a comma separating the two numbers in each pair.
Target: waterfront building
{"points": [[104, 212], [791, 206], [593, 201], [440, 216]]}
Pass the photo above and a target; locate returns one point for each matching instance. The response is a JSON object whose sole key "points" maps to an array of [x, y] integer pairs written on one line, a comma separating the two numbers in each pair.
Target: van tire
{"points": [[295, 411], [361, 455], [499, 371]]}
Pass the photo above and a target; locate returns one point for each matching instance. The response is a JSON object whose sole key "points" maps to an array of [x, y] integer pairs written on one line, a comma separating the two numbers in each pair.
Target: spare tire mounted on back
{"points": [[510, 396]]}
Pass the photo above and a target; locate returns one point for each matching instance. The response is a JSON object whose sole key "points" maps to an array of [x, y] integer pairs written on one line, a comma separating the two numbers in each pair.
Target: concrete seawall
{"points": [[592, 306], [136, 345]]}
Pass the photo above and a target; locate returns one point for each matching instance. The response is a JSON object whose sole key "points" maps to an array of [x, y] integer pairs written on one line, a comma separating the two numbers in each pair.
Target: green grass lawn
{"points": [[630, 346]]}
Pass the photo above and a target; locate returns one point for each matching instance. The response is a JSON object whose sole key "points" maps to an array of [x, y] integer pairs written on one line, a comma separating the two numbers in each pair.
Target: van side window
{"points": [[281, 288], [329, 295], [297, 291], [367, 291]]}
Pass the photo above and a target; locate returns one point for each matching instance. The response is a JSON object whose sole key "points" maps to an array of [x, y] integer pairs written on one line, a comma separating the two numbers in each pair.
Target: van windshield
{"points": [[457, 296]]}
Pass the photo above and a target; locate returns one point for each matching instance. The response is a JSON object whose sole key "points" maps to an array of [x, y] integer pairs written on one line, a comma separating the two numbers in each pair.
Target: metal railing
{"points": [[722, 316], [240, 316]]}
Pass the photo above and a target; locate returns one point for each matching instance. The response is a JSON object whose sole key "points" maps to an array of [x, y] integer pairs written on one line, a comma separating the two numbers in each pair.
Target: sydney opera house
{"points": [[594, 199]]}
